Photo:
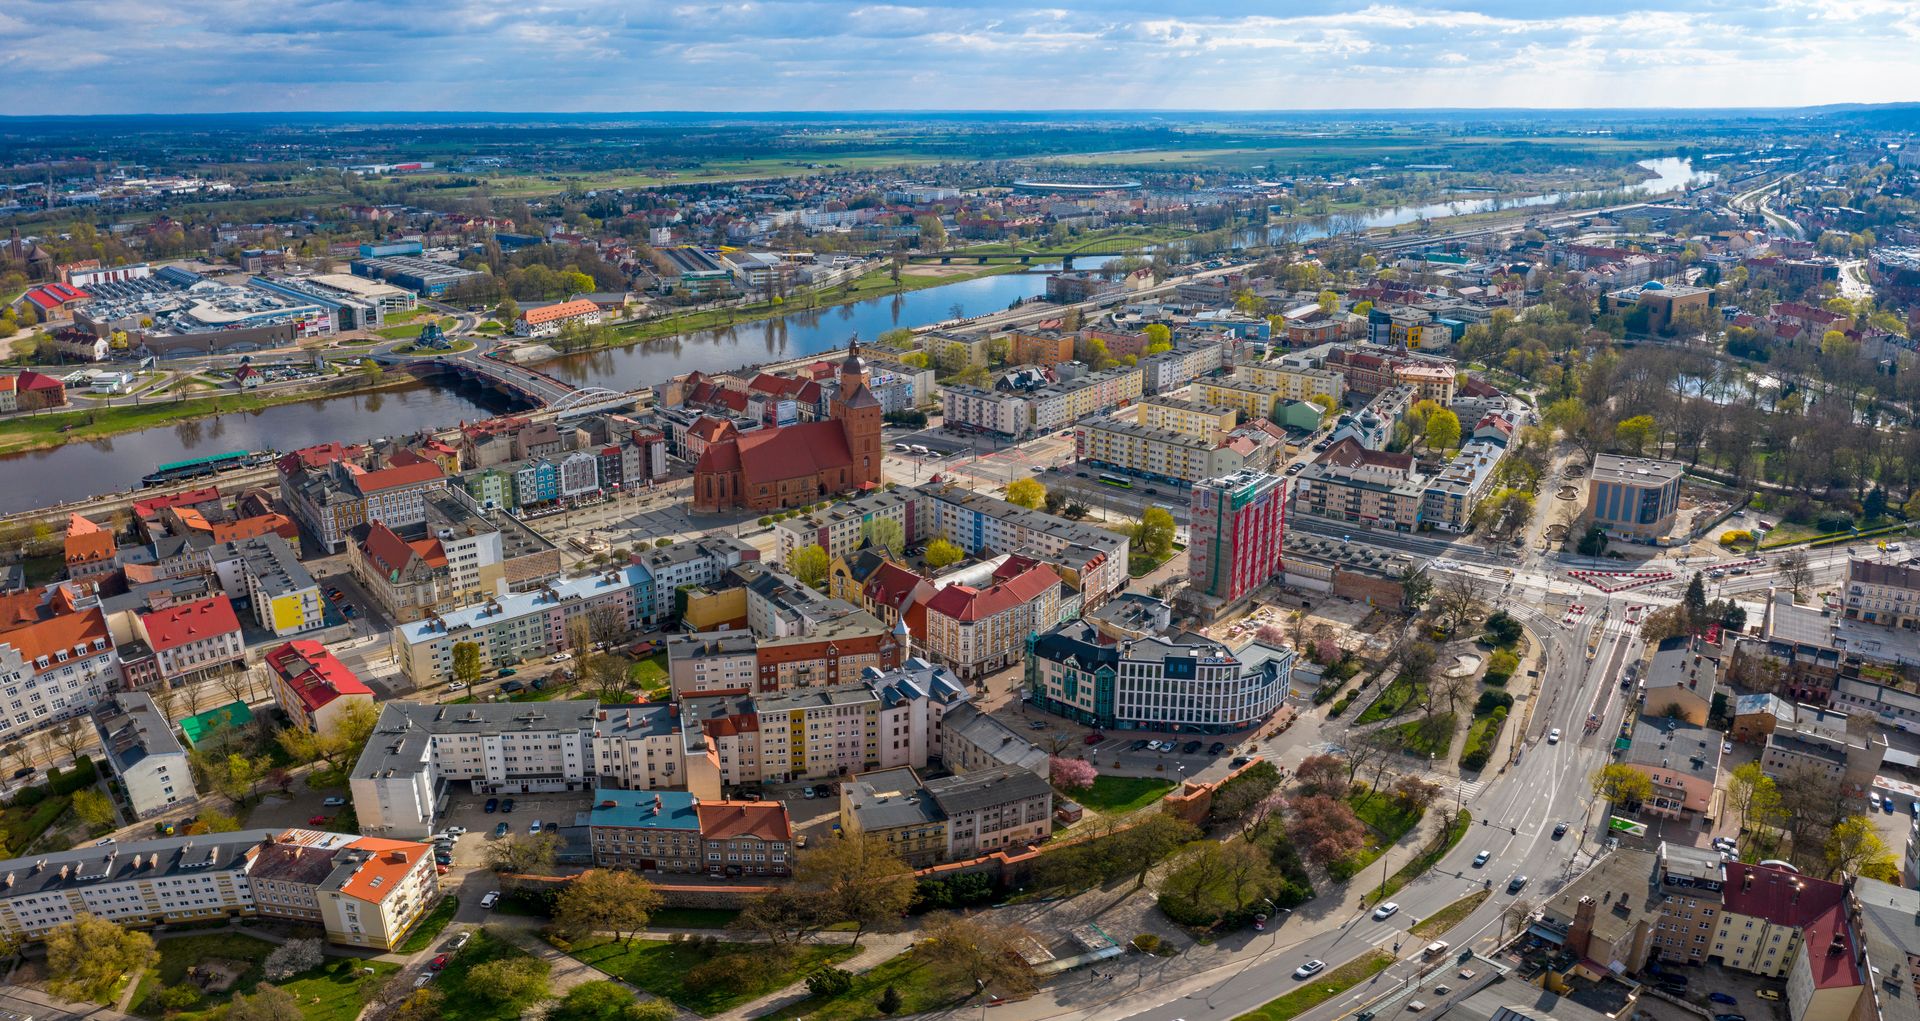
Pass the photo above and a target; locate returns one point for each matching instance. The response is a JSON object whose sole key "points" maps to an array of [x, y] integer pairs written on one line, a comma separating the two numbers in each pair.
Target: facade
{"points": [[1040, 347], [144, 754], [1058, 405], [90, 550], [1162, 454], [786, 466], [841, 529], [332, 495], [1238, 524], [1000, 412], [1634, 498], [950, 819], [1370, 488], [1187, 418], [193, 640], [54, 670], [696, 562], [1884, 594], [549, 320], [978, 631], [312, 687], [1181, 680], [954, 352], [418, 751], [713, 664], [1295, 380], [285, 599], [1171, 370], [639, 747], [678, 832], [363, 891], [1091, 559], [972, 739], [523, 625], [1682, 760]]}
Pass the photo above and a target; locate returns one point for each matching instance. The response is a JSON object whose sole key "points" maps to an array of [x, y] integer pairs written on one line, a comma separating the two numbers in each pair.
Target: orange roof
{"points": [[259, 524], [66, 631], [384, 547], [725, 820], [564, 310], [382, 874], [190, 518], [405, 475], [86, 542]]}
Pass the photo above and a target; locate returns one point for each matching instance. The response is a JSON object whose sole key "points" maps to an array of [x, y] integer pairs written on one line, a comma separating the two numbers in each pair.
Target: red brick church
{"points": [[789, 466]]}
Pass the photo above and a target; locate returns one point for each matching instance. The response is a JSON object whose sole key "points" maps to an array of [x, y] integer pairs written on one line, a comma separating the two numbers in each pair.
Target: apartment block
{"points": [[1160, 682], [193, 640], [1238, 523], [1249, 399], [1091, 559], [523, 625], [950, 819], [1000, 412], [1883, 594], [979, 630], [1200, 421], [678, 832], [843, 527], [312, 687], [1293, 380], [54, 670], [143, 753]]}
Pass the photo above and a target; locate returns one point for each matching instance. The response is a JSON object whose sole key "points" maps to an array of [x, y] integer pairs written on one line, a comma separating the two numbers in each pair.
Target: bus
{"points": [[1120, 481]]}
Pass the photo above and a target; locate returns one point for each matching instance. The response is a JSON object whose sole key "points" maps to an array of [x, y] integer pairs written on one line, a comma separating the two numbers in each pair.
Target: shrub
{"points": [[1491, 700], [717, 973], [1341, 706], [1503, 629], [961, 891], [889, 1001], [1481, 739], [829, 982], [1735, 536], [1146, 943], [1500, 666]]}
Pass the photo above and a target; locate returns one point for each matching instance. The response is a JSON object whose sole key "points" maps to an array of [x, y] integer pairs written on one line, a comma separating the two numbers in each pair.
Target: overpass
{"points": [[531, 385], [1065, 259]]}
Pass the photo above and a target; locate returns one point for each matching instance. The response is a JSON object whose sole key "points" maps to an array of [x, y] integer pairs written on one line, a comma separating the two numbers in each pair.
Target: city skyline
{"points": [[106, 57]]}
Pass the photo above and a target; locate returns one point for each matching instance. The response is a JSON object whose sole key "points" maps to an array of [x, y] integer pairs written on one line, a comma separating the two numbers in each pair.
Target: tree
{"points": [[267, 1003], [964, 947], [857, 879], [1443, 430], [1329, 302], [1693, 602], [829, 982], [607, 677], [1416, 586], [1796, 572], [1752, 797], [532, 853], [507, 311], [72, 737], [1455, 599], [1413, 794], [889, 1001], [1158, 335], [1213, 881], [87, 957], [420, 1005], [1324, 829], [1503, 629], [809, 564], [1633, 433], [510, 980], [466, 662], [941, 553], [1855, 848], [1619, 785], [94, 808], [1323, 776], [1155, 532], [1593, 542], [291, 958], [1140, 846], [1071, 774], [604, 900], [604, 1000], [216, 821], [1028, 493], [1235, 798], [885, 533], [784, 918]]}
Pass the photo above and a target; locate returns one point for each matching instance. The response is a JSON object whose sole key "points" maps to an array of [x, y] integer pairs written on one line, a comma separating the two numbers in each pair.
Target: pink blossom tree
{"points": [[1071, 774]]}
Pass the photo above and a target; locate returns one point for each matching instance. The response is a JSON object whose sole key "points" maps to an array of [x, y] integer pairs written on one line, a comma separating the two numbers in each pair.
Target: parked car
{"points": [[507, 805], [560, 657], [1721, 998], [492, 806], [1096, 737], [513, 686], [318, 820], [534, 827], [506, 671], [1886, 803], [334, 801], [1190, 747], [809, 793], [492, 897], [1037, 725], [500, 830], [440, 962], [1216, 748], [453, 945], [1310, 969], [1729, 1017], [1140, 744], [1240, 760], [456, 685]]}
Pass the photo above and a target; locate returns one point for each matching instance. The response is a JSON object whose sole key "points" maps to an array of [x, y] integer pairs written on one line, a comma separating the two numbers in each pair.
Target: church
{"points": [[795, 465]]}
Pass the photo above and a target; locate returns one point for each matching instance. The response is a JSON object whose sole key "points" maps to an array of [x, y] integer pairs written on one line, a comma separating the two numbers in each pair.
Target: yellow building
{"points": [[716, 609], [1200, 421], [953, 352], [1251, 400], [1294, 382]]}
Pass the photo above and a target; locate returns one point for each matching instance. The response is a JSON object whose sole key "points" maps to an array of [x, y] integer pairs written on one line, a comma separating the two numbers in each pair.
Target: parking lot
{"points": [[469, 810], [1708, 979]]}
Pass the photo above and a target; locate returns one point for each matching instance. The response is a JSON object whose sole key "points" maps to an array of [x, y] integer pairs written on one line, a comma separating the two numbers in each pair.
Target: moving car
{"points": [[1480, 860], [489, 900], [1386, 910], [1553, 736], [1310, 969], [1559, 831]]}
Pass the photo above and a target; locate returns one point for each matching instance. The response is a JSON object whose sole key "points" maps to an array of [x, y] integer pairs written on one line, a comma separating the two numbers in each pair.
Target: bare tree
{"points": [[1453, 687], [235, 684], [1516, 916], [72, 736], [1455, 600], [1796, 572]]}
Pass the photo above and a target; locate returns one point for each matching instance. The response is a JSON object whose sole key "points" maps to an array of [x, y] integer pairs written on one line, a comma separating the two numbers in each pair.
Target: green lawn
{"points": [[1118, 795], [462, 1004], [431, 926], [1449, 916], [919, 987], [459, 344], [1436, 850], [1321, 988], [650, 673], [1400, 696], [183, 952], [20, 827], [407, 330], [660, 967], [1420, 739], [1387, 821]]}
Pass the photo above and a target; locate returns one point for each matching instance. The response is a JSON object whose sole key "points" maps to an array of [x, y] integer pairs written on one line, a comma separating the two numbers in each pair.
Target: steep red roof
{"points": [[711, 429], [771, 455], [189, 622], [385, 548], [318, 455], [314, 675], [965, 603], [723, 456], [38, 381], [87, 542], [724, 820]]}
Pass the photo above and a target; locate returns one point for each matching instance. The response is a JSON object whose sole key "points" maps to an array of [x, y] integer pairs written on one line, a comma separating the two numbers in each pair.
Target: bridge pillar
{"points": [[980, 260], [946, 260], [1066, 262]]}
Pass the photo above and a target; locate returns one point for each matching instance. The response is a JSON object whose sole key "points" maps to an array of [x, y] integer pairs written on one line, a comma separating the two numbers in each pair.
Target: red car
{"points": [[1096, 737], [318, 820], [439, 962]]}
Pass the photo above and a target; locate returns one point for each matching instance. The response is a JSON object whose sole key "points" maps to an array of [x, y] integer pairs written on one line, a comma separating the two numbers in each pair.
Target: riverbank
{"points": [[27, 433]]}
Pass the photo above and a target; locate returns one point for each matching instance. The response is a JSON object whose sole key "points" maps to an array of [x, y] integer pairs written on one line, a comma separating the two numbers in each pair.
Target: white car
{"points": [[335, 801], [491, 897], [1387, 910], [560, 657], [535, 828], [1310, 969], [456, 685], [1553, 736], [1480, 860]]}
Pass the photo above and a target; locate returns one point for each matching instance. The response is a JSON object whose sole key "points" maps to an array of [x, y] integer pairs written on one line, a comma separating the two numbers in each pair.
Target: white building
{"points": [[143, 753], [54, 670]]}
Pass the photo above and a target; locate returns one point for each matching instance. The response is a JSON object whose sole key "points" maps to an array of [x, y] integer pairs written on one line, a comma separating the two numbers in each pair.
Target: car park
{"points": [[1385, 911], [1480, 860], [492, 897], [1310, 969]]}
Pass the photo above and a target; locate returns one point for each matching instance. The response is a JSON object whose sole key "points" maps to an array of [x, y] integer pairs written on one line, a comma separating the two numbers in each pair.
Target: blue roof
{"points": [[636, 810]]}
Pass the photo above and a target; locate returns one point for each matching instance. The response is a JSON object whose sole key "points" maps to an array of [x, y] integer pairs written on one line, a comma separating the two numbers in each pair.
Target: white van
{"points": [[1434, 949]]}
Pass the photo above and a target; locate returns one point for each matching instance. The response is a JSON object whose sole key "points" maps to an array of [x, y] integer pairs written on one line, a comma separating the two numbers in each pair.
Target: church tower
{"points": [[858, 412]]}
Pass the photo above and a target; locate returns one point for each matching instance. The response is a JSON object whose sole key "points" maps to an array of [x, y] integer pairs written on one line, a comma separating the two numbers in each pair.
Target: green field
{"points": [[407, 331], [1451, 915], [462, 1003], [661, 968], [1403, 694], [1119, 795], [38, 432], [650, 674], [335, 991]]}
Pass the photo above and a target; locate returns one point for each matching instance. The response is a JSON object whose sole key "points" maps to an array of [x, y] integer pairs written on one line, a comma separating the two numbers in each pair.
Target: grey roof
{"points": [[916, 678], [1678, 663], [1676, 746], [635, 720], [1635, 471], [406, 729], [890, 798], [1888, 923], [695, 646], [131, 729], [980, 729], [986, 788], [144, 859], [271, 561], [1764, 702]]}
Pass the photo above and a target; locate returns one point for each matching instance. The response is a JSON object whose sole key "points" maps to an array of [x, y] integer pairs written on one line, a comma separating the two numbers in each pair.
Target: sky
{"points": [[204, 56]]}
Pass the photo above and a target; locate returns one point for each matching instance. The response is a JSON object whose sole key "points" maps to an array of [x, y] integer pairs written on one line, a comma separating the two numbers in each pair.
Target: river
{"points": [[83, 469]]}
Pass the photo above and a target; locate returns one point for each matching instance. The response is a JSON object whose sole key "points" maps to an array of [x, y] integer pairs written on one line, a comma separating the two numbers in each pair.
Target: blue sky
{"points": [[156, 56]]}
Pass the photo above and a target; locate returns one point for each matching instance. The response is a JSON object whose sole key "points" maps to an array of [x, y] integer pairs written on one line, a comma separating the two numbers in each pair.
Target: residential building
{"points": [[972, 739], [713, 664], [312, 687], [1876, 592], [193, 640], [1058, 405], [1040, 347], [143, 753], [55, 669], [336, 495], [89, 548], [1093, 560], [1069, 287], [1178, 681], [1634, 498], [956, 352], [1171, 370], [842, 528], [639, 747], [1832, 745], [891, 805], [1681, 679], [694, 562], [361, 891], [951, 819], [1294, 379], [1249, 399], [978, 631], [1163, 455], [1238, 523], [1637, 906], [1187, 418], [285, 599], [677, 832], [549, 320], [975, 409], [1365, 487], [418, 751], [1682, 760], [523, 625]]}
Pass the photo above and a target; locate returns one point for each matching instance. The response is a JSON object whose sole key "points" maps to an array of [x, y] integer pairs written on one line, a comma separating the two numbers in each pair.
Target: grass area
{"points": [[1451, 915], [1437, 849], [1435, 739], [431, 926], [871, 285], [462, 1002], [920, 989], [23, 825], [183, 952], [459, 345], [661, 968], [1403, 694], [1321, 988], [1118, 795], [650, 674], [1385, 817], [407, 330], [693, 918]]}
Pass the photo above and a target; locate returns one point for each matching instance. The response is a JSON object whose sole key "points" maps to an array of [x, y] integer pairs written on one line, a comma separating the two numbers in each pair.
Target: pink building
{"points": [[1238, 522]]}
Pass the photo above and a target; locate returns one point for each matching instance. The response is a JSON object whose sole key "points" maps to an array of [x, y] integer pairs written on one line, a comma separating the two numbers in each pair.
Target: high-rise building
{"points": [[1238, 521]]}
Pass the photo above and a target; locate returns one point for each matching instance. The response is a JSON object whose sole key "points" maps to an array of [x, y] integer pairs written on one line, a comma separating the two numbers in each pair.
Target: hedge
{"points": [[1491, 700], [83, 774], [1481, 739]]}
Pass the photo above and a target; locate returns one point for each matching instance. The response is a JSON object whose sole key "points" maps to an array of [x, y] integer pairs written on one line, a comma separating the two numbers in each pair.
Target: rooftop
{"points": [[1635, 471]]}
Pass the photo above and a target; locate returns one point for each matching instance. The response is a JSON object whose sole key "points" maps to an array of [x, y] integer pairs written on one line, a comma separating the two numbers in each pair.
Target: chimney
{"points": [[1838, 946]]}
